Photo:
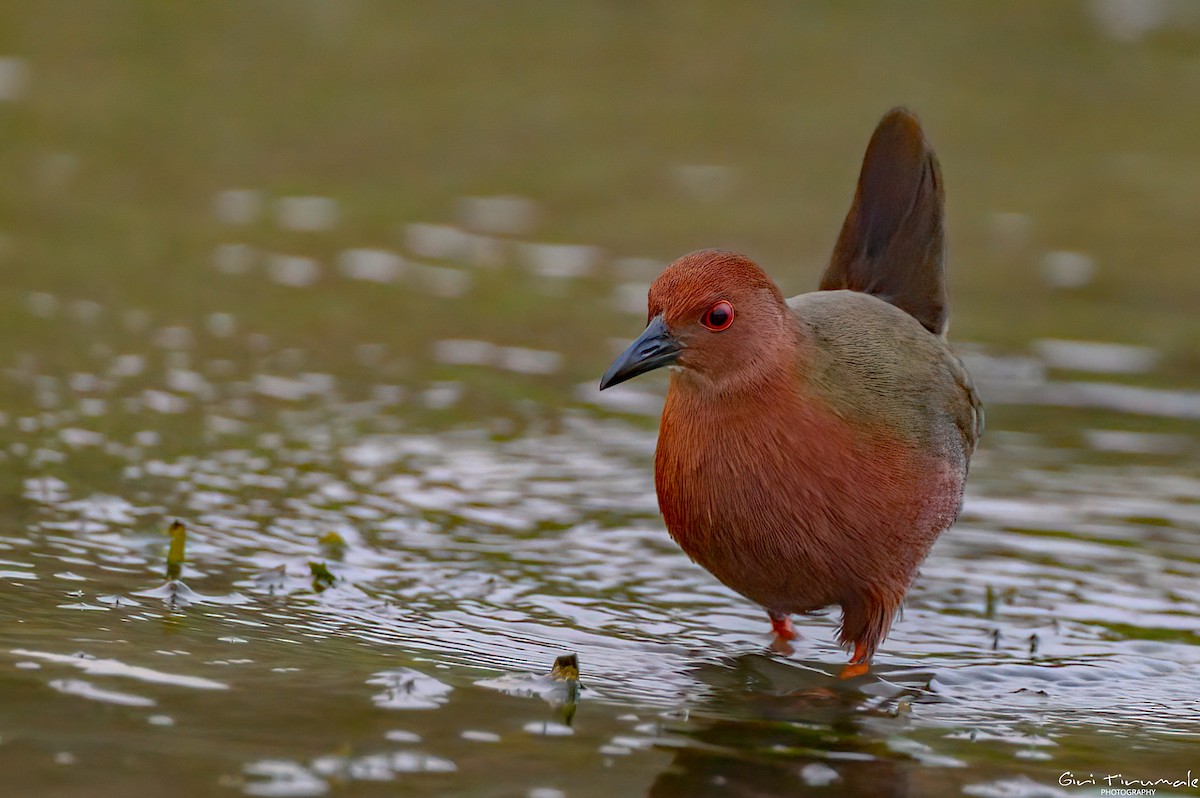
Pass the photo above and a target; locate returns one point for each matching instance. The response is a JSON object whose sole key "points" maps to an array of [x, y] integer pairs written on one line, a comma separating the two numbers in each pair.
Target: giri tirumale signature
{"points": [[1069, 779]]}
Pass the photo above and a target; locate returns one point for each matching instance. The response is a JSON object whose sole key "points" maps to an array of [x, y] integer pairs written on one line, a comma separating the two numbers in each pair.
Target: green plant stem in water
{"points": [[175, 554]]}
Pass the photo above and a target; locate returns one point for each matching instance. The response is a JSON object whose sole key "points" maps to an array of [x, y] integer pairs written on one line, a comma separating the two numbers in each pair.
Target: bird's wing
{"points": [[875, 363], [969, 410]]}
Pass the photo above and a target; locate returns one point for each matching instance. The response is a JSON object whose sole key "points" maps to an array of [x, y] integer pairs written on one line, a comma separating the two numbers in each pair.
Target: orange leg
{"points": [[781, 625], [860, 663]]}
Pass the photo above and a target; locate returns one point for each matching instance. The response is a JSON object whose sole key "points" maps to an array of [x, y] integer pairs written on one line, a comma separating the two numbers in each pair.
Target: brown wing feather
{"points": [[892, 243]]}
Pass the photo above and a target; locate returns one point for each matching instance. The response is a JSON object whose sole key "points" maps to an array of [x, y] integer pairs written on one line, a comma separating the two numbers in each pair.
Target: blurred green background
{"points": [[646, 129]]}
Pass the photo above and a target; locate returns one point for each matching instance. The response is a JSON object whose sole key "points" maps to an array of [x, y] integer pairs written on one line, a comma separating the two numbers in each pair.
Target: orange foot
{"points": [[781, 625], [855, 669], [860, 663]]}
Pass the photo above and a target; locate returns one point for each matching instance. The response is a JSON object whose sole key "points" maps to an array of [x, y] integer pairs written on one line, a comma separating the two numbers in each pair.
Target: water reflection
{"points": [[785, 728]]}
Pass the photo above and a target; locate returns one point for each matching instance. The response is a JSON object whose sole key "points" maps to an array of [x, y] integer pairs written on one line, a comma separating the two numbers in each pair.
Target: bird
{"points": [[811, 450]]}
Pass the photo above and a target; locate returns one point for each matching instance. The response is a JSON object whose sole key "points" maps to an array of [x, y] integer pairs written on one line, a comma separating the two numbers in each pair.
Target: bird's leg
{"points": [[781, 625], [860, 663]]}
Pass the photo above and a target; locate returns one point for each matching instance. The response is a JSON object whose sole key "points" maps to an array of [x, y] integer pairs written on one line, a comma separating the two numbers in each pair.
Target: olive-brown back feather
{"points": [[892, 243]]}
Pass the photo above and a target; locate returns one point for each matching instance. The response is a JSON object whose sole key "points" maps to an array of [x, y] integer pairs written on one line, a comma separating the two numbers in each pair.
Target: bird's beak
{"points": [[654, 348]]}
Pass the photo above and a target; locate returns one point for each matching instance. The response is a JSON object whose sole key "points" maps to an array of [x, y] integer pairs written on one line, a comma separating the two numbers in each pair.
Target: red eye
{"points": [[718, 317]]}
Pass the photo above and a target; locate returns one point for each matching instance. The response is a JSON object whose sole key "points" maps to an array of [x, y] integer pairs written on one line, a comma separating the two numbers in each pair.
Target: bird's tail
{"points": [[892, 243]]}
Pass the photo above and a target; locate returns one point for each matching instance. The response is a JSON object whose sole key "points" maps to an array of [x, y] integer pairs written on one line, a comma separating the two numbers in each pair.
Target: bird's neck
{"points": [[777, 405], [774, 410]]}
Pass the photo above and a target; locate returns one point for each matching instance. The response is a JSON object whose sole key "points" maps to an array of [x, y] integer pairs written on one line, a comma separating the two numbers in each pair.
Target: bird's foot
{"points": [[855, 669], [860, 663], [781, 625]]}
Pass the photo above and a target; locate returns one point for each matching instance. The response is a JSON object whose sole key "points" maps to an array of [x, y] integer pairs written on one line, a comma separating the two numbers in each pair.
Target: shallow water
{"points": [[1055, 622], [345, 337]]}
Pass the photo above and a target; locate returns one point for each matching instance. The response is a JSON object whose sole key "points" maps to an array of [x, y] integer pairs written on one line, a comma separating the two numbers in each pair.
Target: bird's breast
{"points": [[793, 505]]}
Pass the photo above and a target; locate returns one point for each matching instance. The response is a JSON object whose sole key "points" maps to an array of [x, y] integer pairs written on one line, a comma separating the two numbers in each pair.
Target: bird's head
{"points": [[713, 314]]}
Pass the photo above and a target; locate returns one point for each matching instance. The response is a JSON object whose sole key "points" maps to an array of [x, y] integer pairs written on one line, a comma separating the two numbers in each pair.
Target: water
{"points": [[1054, 622], [356, 355]]}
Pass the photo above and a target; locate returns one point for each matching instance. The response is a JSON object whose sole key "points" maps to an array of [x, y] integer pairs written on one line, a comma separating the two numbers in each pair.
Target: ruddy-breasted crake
{"points": [[812, 449]]}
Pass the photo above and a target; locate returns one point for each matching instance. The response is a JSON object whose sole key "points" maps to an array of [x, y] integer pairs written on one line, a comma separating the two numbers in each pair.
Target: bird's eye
{"points": [[718, 317]]}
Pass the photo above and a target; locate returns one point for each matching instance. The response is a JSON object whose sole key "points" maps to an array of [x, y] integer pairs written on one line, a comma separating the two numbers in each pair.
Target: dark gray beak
{"points": [[654, 348]]}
